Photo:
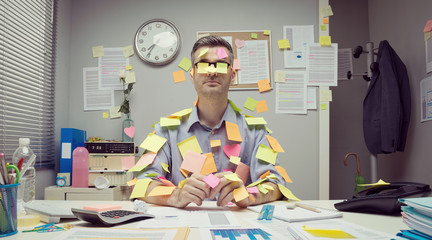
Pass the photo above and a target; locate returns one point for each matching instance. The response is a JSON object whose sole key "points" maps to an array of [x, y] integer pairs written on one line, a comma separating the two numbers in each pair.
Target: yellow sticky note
{"points": [[325, 20], [254, 35], [240, 194], [161, 191], [427, 36], [202, 67], [234, 159], [323, 106], [189, 144], [209, 165], [222, 68], [327, 233], [323, 27], [153, 142], [266, 154], [114, 112], [98, 51], [274, 144], [257, 182], [181, 183], [280, 76], [283, 43], [215, 143], [130, 77], [182, 113], [169, 122], [129, 67], [137, 168], [233, 132], [287, 193], [250, 104], [185, 64], [326, 11], [325, 41], [232, 177], [262, 189], [128, 51], [326, 96], [379, 183], [184, 172], [140, 188], [179, 76], [132, 182], [261, 106], [268, 187], [284, 174], [251, 121], [211, 69], [202, 52], [263, 85], [165, 167], [268, 130], [105, 115], [267, 32]]}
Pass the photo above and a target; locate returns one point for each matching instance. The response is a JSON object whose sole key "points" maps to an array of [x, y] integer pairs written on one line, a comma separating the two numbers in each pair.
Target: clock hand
{"points": [[150, 49]]}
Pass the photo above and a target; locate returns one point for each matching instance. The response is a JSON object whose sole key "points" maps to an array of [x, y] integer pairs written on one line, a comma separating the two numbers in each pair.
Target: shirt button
{"points": [[213, 133]]}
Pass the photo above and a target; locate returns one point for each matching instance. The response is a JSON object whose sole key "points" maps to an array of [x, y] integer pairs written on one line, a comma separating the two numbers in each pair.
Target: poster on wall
{"points": [[428, 47], [426, 99]]}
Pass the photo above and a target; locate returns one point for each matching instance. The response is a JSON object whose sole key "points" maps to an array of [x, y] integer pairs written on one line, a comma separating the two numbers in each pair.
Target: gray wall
{"points": [[113, 23]]}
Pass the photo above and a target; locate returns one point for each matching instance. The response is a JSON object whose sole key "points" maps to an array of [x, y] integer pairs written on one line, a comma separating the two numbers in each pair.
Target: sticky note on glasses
{"points": [[266, 212], [222, 67], [202, 67]]}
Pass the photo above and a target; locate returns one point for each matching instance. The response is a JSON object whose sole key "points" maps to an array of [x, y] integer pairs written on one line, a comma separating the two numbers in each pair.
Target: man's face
{"points": [[211, 83]]}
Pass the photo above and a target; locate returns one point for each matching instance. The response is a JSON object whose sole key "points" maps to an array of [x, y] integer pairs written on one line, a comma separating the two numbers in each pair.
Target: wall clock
{"points": [[157, 42]]}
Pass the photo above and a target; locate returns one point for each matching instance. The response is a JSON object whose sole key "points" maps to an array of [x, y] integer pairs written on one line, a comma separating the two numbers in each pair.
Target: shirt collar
{"points": [[230, 115]]}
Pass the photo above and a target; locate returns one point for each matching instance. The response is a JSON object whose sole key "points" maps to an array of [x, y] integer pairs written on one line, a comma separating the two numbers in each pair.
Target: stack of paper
{"points": [[418, 216]]}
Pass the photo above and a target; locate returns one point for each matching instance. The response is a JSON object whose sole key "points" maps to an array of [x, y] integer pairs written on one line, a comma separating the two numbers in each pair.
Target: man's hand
{"points": [[194, 190], [225, 190]]}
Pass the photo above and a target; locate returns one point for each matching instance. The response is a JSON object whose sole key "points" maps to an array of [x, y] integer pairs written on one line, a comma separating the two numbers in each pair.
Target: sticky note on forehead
{"points": [[203, 51], [221, 53]]}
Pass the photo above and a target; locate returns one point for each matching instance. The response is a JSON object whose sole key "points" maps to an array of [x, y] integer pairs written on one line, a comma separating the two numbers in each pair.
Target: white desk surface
{"points": [[388, 224]]}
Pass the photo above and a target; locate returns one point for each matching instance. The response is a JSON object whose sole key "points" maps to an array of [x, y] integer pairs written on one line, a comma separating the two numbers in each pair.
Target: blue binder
{"points": [[71, 138]]}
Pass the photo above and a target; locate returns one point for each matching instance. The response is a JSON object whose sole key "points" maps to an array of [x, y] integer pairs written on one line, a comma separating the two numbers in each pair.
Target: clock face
{"points": [[61, 181], [157, 42]]}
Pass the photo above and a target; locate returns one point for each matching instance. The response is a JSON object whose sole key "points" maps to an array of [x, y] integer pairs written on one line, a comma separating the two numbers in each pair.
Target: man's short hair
{"points": [[212, 41]]}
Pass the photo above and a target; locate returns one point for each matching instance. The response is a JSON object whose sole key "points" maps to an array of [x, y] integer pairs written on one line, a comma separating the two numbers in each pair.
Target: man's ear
{"points": [[233, 76], [192, 74]]}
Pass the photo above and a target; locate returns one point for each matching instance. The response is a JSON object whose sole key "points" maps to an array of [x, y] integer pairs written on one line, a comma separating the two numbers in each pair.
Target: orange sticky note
{"points": [[132, 182], [179, 76], [325, 20], [233, 132], [263, 85], [274, 144], [240, 194], [264, 175], [261, 106], [184, 172], [243, 171], [162, 191], [209, 165], [215, 143], [284, 174]]}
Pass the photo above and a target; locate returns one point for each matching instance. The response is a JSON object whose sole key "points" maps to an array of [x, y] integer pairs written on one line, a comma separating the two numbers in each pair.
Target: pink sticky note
{"points": [[221, 53], [232, 150], [130, 131], [146, 159], [236, 64], [127, 162], [227, 170], [428, 26], [212, 180], [165, 181], [193, 161], [253, 189], [243, 171]]}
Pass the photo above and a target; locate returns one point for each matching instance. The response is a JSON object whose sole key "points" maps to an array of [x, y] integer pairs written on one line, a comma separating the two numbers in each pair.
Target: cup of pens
{"points": [[8, 209]]}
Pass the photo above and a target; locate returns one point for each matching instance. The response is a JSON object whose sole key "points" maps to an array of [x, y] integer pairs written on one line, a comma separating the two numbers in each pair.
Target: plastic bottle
{"points": [[29, 178], [80, 166]]}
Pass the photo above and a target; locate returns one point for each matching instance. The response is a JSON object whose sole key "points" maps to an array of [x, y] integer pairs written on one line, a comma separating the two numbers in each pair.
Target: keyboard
{"points": [[111, 217], [50, 213]]}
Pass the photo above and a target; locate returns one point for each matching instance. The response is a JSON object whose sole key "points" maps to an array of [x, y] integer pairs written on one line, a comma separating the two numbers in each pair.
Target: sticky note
{"points": [[232, 177], [222, 68], [140, 188], [264, 175], [287, 193], [209, 165], [146, 159], [221, 53], [162, 191], [262, 189], [185, 173], [263, 85], [165, 167], [323, 106], [427, 36], [257, 182], [127, 162], [212, 180], [128, 51], [189, 144], [427, 28], [280, 76], [105, 115], [185, 64], [193, 161], [98, 51], [379, 183], [266, 32], [137, 168], [179, 76], [243, 171], [129, 67], [325, 41], [153, 142], [325, 20], [283, 43], [151, 174], [266, 154], [211, 69], [169, 122], [254, 35], [240, 43], [202, 67], [251, 121], [234, 107], [130, 77], [326, 96], [261, 106], [284, 174], [132, 182], [232, 150], [268, 187], [233, 132], [215, 143], [182, 113], [327, 233], [274, 144], [252, 190], [203, 51], [323, 27], [240, 194], [181, 183], [114, 112], [165, 181], [236, 64], [326, 11], [250, 104], [235, 160]]}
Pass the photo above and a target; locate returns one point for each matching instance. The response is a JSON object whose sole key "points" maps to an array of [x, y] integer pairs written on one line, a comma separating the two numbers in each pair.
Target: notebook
{"points": [[299, 214]]}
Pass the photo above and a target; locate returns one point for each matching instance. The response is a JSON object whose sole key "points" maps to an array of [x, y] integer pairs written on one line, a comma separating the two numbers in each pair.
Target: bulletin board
{"points": [[246, 36]]}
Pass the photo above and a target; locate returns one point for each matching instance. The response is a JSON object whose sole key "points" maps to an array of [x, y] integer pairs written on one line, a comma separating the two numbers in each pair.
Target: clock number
{"points": [[158, 25], [156, 58], [171, 50], [143, 49], [165, 55], [144, 33], [140, 41], [149, 28]]}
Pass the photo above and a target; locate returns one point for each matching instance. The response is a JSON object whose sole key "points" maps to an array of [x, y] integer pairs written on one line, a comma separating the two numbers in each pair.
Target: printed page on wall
{"points": [[426, 99], [299, 37]]}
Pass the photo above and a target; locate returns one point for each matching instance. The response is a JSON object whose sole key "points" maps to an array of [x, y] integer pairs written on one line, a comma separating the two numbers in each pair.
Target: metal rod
{"points": [[373, 157]]}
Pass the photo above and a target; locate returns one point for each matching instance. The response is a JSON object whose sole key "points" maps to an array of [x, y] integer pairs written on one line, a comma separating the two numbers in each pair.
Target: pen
{"points": [[307, 207]]}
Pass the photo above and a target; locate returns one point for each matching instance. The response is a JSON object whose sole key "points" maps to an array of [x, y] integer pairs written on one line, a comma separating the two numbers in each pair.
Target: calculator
{"points": [[111, 217]]}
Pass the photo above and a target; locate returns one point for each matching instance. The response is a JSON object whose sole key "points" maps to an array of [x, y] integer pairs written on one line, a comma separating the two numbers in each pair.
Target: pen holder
{"points": [[8, 209]]}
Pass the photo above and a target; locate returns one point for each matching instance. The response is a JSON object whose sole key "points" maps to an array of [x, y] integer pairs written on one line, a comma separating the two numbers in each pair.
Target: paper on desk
{"points": [[115, 233]]}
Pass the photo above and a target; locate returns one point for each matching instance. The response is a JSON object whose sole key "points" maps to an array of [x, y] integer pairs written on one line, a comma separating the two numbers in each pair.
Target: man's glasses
{"points": [[204, 67]]}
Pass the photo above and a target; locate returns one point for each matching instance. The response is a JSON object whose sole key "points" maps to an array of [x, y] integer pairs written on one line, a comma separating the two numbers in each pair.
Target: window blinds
{"points": [[27, 64]]}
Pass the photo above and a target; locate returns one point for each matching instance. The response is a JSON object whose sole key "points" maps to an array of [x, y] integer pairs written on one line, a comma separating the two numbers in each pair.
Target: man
{"points": [[207, 122]]}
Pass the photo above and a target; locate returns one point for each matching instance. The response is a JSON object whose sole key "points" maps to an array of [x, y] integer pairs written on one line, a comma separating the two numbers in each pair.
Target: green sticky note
{"points": [[250, 104], [254, 35], [169, 122], [189, 144], [185, 64], [234, 107], [153, 142], [257, 182], [165, 167], [255, 121], [151, 174], [266, 154], [137, 168], [323, 28], [262, 189]]}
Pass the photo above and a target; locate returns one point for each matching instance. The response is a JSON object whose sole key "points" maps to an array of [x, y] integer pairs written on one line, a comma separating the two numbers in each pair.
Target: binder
{"points": [[71, 138]]}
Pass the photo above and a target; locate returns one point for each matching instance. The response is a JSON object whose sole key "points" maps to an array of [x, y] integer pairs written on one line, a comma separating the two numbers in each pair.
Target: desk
{"points": [[388, 224]]}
